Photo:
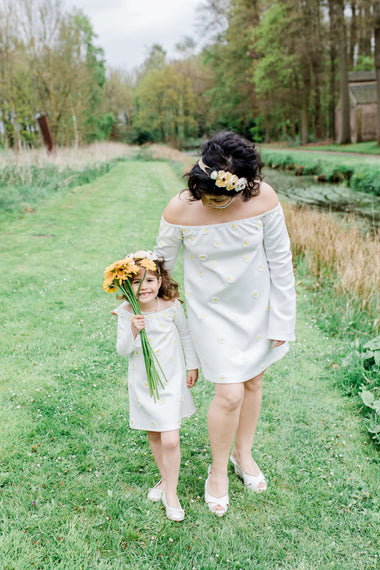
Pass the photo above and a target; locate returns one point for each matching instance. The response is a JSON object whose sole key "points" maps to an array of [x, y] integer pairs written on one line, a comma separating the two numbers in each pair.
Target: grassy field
{"points": [[74, 477], [368, 147]]}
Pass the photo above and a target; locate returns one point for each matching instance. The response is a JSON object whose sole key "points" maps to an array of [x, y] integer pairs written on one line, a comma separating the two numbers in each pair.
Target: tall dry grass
{"points": [[64, 157], [164, 152], [337, 251]]}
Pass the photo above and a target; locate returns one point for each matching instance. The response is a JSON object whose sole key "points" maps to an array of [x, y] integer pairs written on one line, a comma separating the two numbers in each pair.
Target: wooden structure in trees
{"points": [[46, 134], [363, 107]]}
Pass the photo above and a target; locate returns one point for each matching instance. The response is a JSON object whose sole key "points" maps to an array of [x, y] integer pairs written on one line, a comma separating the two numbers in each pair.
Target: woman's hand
{"points": [[138, 324], [192, 377], [277, 342]]}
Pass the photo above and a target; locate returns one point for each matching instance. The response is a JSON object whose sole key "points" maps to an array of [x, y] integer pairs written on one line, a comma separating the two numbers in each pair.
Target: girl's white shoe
{"points": [[250, 481], [172, 513], [214, 502], [155, 494]]}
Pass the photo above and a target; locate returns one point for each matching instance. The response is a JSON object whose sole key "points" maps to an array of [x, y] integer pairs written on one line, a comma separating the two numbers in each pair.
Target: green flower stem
{"points": [[150, 359]]}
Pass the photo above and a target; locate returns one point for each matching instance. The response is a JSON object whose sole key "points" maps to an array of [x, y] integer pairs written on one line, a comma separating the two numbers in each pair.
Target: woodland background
{"points": [[269, 69]]}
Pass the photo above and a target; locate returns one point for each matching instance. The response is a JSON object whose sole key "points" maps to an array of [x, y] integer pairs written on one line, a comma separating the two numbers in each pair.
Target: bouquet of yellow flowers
{"points": [[118, 276]]}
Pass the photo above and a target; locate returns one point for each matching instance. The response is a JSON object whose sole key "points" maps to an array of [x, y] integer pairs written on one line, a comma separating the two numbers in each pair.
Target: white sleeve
{"points": [[180, 321], [125, 343], [168, 244], [282, 313]]}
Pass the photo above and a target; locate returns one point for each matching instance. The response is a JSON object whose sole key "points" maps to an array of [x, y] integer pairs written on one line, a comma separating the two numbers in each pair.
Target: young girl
{"points": [[167, 330]]}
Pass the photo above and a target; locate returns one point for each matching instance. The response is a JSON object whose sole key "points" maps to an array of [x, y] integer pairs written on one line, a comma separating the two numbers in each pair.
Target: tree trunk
{"points": [[353, 34], [304, 134], [318, 125], [377, 64], [267, 128], [345, 135], [365, 47], [332, 71]]}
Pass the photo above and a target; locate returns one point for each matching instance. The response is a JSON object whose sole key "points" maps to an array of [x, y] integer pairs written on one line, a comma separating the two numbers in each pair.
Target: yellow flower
{"points": [[109, 269], [109, 286], [223, 179], [119, 271], [148, 264]]}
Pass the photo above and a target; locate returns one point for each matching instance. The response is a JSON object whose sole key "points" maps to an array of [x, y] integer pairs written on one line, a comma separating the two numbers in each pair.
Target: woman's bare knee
{"points": [[229, 396], [254, 383]]}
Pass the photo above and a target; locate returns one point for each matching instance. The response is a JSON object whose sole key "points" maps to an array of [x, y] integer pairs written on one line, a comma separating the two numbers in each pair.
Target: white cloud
{"points": [[127, 28]]}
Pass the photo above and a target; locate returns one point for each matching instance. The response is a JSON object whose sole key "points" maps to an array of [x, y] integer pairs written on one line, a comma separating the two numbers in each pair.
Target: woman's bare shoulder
{"points": [[267, 199], [177, 209]]}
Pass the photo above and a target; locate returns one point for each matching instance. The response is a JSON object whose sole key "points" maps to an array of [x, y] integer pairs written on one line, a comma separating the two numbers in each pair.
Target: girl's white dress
{"points": [[239, 291], [169, 336]]}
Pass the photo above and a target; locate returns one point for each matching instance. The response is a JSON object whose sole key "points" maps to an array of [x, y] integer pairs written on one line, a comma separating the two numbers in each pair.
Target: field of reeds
{"points": [[64, 157], [30, 176], [340, 253]]}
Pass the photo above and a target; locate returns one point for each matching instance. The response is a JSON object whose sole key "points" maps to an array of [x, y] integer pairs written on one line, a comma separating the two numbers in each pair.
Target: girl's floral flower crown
{"points": [[142, 254], [224, 179], [146, 259]]}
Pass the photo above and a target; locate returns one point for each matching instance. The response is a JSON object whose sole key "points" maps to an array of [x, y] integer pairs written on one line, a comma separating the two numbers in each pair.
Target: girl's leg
{"points": [[223, 419], [154, 438], [248, 418], [171, 460]]}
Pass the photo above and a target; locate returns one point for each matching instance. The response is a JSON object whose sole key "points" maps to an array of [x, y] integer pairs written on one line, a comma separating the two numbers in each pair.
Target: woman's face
{"points": [[211, 201]]}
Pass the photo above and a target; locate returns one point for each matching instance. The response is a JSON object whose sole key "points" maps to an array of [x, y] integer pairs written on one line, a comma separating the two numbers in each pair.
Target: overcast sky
{"points": [[126, 29]]}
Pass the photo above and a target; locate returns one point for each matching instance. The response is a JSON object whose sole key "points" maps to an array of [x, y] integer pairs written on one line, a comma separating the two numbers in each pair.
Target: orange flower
{"points": [[109, 286], [148, 264]]}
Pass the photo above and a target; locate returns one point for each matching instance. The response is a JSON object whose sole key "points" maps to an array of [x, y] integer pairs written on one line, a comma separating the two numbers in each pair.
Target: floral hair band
{"points": [[142, 254], [224, 179]]}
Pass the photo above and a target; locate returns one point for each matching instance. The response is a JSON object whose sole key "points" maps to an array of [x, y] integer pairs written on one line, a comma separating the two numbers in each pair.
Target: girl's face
{"points": [[149, 289]]}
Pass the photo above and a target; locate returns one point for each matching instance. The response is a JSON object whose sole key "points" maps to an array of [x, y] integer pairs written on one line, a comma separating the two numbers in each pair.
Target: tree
{"points": [[345, 134], [118, 101], [377, 64], [165, 105], [229, 58], [49, 64]]}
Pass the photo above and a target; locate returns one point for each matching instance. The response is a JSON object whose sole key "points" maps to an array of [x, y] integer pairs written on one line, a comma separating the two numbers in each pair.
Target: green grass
{"points": [[369, 147], [74, 477], [23, 188]]}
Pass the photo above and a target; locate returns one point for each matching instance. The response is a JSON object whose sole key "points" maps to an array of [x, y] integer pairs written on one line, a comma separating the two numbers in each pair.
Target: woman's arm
{"points": [[169, 238], [282, 312], [180, 321]]}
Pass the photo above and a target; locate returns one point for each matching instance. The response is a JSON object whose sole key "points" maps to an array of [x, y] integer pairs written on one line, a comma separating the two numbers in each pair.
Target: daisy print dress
{"points": [[170, 338], [239, 291]]}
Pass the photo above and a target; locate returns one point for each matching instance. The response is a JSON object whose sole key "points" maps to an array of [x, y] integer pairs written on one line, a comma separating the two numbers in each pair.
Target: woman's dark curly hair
{"points": [[169, 287], [230, 152]]}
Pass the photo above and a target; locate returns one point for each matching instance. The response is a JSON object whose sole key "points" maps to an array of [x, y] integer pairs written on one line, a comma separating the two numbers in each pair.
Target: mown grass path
{"points": [[74, 477]]}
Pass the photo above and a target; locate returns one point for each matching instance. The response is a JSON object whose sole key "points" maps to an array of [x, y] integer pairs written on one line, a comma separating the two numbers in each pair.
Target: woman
{"points": [[239, 290]]}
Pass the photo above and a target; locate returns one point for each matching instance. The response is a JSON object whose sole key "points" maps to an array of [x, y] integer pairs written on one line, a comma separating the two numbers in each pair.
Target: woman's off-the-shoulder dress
{"points": [[239, 291]]}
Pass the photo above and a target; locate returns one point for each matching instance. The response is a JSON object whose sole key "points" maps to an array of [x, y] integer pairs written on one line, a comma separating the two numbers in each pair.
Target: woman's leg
{"points": [[154, 438], [223, 419], [171, 461], [248, 418]]}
